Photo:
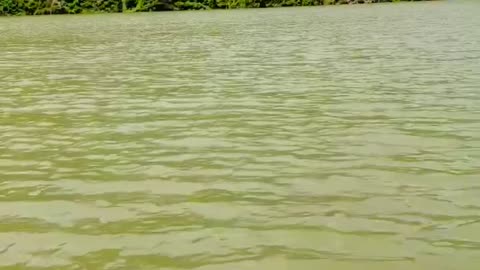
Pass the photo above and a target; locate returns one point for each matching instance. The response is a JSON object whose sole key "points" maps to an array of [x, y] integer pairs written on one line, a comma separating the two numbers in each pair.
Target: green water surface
{"points": [[265, 139]]}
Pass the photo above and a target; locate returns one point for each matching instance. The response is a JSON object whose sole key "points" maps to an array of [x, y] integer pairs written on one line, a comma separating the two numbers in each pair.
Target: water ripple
{"points": [[304, 138]]}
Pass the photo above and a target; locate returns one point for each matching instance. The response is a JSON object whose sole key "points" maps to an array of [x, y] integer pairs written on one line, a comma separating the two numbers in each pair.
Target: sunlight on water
{"points": [[300, 138]]}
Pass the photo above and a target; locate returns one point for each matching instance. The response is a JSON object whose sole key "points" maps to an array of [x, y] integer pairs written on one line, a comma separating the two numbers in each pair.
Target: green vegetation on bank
{"points": [[38, 7]]}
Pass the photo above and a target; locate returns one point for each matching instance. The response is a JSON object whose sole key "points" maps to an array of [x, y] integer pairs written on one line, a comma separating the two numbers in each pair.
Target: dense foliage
{"points": [[37, 7]]}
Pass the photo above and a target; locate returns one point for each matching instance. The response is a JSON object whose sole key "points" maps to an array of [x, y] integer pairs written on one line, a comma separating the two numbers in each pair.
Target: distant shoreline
{"points": [[50, 7]]}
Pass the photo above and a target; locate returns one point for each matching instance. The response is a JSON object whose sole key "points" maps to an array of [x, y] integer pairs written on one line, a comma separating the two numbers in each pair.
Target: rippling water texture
{"points": [[300, 138]]}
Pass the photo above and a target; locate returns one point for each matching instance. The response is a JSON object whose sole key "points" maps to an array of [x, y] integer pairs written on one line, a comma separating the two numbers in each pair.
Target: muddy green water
{"points": [[299, 138]]}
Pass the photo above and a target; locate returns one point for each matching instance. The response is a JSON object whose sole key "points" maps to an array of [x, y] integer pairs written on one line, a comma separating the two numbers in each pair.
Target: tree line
{"points": [[39, 7]]}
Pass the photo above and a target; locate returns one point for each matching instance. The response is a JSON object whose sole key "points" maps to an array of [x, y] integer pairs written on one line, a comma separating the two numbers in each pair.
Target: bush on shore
{"points": [[39, 7]]}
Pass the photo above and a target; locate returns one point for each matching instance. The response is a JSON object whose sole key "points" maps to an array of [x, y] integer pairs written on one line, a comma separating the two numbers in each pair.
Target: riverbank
{"points": [[42, 7]]}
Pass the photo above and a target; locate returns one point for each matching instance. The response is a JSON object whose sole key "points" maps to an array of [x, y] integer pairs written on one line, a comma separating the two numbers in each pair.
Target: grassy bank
{"points": [[39, 7]]}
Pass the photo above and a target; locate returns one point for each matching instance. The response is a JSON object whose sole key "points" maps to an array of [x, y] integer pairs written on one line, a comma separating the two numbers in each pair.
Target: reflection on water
{"points": [[301, 138]]}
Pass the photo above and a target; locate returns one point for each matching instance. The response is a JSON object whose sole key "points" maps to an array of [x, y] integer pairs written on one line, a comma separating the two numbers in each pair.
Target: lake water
{"points": [[343, 137]]}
